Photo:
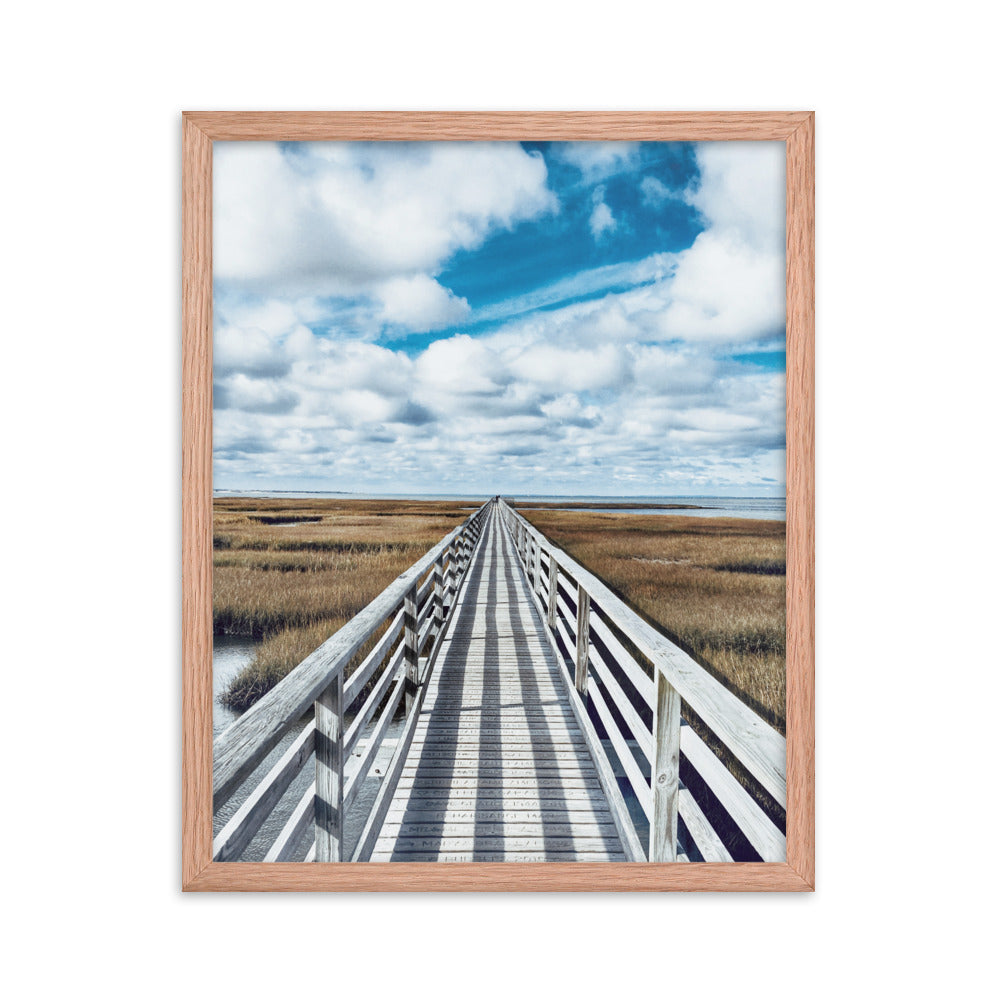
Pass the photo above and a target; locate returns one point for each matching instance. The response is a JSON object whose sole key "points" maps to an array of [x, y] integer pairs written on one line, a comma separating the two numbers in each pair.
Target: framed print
{"points": [[498, 501]]}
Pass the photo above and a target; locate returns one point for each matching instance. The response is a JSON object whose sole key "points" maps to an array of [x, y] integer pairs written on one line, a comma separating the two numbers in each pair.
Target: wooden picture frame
{"points": [[200, 129]]}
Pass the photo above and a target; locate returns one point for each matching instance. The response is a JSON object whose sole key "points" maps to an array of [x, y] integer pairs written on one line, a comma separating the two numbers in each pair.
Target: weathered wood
{"points": [[373, 701], [637, 677], [631, 844], [425, 590], [513, 738], [757, 746], [637, 730], [765, 838], [637, 780], [582, 639], [439, 594], [374, 744], [330, 772], [233, 838], [373, 826], [553, 592], [526, 779], [485, 857], [411, 648], [355, 684], [529, 769], [503, 727], [497, 725], [706, 839], [544, 830], [238, 750], [301, 819], [666, 772], [477, 843], [411, 812]]}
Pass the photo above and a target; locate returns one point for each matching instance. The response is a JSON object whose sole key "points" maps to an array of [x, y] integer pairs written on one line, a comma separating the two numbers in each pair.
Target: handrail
{"points": [[413, 609], [655, 775]]}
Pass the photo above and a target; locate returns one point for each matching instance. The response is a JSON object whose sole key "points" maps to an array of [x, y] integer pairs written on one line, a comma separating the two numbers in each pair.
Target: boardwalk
{"points": [[508, 707], [498, 769]]}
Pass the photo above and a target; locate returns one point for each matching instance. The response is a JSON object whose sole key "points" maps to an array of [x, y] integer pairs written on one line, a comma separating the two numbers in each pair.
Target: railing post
{"points": [[553, 590], [411, 655], [439, 595], [666, 771], [538, 567], [329, 802], [582, 637]]}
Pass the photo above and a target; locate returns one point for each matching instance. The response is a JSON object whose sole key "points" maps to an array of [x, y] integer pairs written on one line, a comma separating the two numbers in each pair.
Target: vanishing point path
{"points": [[502, 704], [498, 769]]}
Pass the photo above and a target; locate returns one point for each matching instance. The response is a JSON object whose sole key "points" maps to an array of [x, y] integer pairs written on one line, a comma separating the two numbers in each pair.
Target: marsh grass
{"points": [[716, 586], [292, 572]]}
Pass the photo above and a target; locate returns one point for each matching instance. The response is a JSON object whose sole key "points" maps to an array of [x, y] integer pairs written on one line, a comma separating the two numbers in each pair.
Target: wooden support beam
{"points": [[553, 590], [329, 708], [411, 654], [666, 772], [439, 594], [582, 638]]}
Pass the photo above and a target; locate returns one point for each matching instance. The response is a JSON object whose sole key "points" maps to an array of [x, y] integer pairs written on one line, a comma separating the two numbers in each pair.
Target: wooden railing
{"points": [[405, 625], [640, 711]]}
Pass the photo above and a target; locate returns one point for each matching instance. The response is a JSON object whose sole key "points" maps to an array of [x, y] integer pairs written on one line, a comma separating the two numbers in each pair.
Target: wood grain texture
{"points": [[199, 872], [801, 498], [484, 876], [496, 710], [653, 126], [196, 501]]}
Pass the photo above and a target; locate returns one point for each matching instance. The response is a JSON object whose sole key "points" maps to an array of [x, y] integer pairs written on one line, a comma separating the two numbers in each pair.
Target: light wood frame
{"points": [[200, 128]]}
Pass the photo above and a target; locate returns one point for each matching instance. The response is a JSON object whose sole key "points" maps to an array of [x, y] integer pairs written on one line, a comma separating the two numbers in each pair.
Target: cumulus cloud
{"points": [[741, 192], [580, 383], [730, 284], [418, 302], [335, 218]]}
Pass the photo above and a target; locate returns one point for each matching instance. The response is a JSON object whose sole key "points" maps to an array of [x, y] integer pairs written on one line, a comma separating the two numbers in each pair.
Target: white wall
{"points": [[907, 547]]}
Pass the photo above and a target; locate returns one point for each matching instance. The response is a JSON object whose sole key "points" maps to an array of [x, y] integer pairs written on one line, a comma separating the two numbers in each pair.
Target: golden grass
{"points": [[714, 585], [294, 584]]}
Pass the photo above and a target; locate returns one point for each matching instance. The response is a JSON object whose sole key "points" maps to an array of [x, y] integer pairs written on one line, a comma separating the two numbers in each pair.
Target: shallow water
{"points": [[230, 653]]}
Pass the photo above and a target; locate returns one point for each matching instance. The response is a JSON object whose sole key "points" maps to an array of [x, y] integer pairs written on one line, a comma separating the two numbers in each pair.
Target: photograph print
{"points": [[499, 483]]}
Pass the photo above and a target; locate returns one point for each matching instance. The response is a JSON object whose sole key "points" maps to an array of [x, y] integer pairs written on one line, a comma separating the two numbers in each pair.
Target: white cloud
{"points": [[601, 219], [725, 290], [246, 350], [418, 302], [597, 160], [742, 191], [622, 393], [730, 284], [554, 368], [334, 218], [655, 192]]}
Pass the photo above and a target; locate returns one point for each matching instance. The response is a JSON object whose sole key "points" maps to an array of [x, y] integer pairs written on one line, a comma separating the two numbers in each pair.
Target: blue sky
{"points": [[500, 317]]}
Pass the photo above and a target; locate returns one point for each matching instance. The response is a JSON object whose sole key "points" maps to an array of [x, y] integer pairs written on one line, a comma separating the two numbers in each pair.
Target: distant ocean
{"points": [[760, 508]]}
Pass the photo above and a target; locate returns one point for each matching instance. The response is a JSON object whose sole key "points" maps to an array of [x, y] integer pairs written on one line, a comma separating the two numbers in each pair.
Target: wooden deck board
{"points": [[499, 768]]}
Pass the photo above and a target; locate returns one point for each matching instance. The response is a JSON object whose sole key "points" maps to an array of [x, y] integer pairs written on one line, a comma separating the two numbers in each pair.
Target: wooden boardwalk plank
{"points": [[499, 768]]}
